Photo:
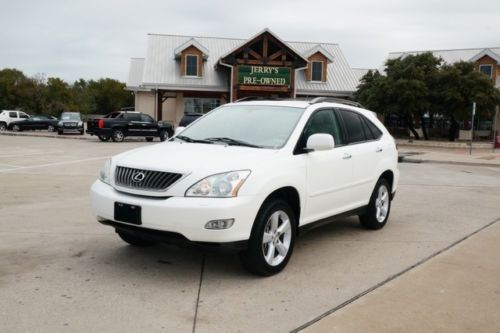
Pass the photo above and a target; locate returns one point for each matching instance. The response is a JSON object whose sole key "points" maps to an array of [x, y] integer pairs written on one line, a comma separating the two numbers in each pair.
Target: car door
{"points": [[328, 173], [364, 155], [149, 126], [134, 124]]}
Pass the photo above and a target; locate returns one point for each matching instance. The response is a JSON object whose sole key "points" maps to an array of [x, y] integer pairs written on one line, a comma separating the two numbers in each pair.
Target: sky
{"points": [[92, 39]]}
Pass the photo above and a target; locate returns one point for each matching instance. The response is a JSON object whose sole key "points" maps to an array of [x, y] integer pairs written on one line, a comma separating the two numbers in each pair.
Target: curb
{"points": [[418, 161], [71, 137]]}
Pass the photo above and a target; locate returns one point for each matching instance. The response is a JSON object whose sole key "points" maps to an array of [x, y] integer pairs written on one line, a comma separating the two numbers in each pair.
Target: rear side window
{"points": [[353, 126], [147, 119], [374, 131], [13, 114]]}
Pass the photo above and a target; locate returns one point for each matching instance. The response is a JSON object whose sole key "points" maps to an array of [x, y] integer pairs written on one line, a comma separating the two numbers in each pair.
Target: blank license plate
{"points": [[128, 213]]}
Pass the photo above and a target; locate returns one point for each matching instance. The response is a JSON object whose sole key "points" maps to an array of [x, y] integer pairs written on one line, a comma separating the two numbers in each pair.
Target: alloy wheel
{"points": [[277, 238], [382, 203]]}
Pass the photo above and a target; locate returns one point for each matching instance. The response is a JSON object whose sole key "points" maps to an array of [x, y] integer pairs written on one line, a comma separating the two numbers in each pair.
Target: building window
{"points": [[317, 71], [200, 105], [486, 69], [191, 65]]}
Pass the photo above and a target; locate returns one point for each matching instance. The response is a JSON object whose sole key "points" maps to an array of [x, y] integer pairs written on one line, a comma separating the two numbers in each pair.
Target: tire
{"points": [[118, 135], [60, 132], [81, 132], [103, 138], [3, 127], [260, 258], [379, 207], [163, 134], [16, 128], [133, 240], [149, 139], [51, 128]]}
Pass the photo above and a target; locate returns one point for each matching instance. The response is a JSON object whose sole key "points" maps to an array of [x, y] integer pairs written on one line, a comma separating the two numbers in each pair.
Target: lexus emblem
{"points": [[138, 177]]}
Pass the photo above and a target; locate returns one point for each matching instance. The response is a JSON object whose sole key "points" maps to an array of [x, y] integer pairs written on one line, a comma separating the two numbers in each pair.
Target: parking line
{"points": [[31, 154], [55, 164]]}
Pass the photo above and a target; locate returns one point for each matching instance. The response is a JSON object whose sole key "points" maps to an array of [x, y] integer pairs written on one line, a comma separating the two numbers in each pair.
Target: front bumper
{"points": [[181, 215]]}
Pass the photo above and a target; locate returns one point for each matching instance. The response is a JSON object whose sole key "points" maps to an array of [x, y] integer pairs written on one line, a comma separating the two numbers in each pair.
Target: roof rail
{"points": [[335, 100]]}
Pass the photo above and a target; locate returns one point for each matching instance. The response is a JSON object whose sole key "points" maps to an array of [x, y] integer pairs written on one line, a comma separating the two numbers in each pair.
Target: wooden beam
{"points": [[254, 54], [275, 55], [265, 46]]}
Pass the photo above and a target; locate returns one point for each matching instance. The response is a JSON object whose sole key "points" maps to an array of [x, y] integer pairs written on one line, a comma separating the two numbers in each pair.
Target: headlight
{"points": [[80, 123], [59, 124], [222, 185], [104, 174]]}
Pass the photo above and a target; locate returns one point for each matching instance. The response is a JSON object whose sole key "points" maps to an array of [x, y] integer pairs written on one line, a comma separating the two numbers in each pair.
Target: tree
{"points": [[109, 95], [14, 89]]}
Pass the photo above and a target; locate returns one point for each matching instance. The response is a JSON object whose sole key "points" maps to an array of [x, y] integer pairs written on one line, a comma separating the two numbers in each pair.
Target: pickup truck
{"points": [[8, 116], [121, 124]]}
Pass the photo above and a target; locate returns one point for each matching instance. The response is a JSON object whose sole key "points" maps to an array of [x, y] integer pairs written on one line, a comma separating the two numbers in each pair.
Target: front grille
{"points": [[69, 125], [147, 180]]}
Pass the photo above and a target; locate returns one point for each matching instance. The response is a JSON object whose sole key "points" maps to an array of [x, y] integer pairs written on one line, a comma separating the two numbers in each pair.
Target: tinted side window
{"points": [[353, 126], [146, 118], [376, 132], [13, 114], [133, 117], [368, 133], [323, 121]]}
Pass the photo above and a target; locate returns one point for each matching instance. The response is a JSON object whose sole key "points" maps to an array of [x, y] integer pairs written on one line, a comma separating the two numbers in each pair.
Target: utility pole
{"points": [[472, 127]]}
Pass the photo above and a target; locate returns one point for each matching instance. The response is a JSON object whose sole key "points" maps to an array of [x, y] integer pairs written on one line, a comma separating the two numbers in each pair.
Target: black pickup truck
{"points": [[118, 125]]}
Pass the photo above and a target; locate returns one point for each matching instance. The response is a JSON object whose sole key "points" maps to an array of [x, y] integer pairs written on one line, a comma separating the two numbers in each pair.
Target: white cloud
{"points": [[96, 38]]}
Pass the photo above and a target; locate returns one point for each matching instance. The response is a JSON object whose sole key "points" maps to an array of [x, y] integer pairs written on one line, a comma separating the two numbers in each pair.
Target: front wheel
{"points": [[3, 127], [16, 128], [133, 240], [50, 128], [272, 240], [149, 139], [118, 135], [379, 207]]}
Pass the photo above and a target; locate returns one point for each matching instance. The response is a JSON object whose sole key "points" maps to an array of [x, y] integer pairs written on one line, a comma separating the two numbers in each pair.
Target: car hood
{"points": [[196, 158]]}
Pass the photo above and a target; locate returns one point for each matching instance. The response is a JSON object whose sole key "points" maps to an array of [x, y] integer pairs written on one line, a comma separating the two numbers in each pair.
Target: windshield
{"points": [[70, 116], [253, 125]]}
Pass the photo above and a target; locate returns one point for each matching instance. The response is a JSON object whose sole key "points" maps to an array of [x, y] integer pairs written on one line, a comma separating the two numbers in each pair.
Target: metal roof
{"points": [[360, 72], [161, 69], [135, 71]]}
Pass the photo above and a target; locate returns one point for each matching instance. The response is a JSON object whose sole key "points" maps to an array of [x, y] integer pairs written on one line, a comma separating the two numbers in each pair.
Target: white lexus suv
{"points": [[253, 175]]}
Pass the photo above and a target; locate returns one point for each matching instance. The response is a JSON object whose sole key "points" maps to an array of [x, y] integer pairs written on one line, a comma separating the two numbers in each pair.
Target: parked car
{"points": [[188, 118], [36, 122], [253, 175], [70, 122], [8, 116], [121, 124]]}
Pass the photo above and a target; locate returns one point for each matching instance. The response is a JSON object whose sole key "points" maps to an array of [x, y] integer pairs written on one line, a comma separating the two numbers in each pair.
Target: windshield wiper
{"points": [[190, 140], [233, 142]]}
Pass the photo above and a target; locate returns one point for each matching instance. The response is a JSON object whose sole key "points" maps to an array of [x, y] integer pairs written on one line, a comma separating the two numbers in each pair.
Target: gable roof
{"points": [[486, 52], [318, 48], [136, 68], [191, 42], [161, 70]]}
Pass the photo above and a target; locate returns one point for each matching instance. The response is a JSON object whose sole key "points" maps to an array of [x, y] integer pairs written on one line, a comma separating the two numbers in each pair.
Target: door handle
{"points": [[378, 150], [346, 156]]}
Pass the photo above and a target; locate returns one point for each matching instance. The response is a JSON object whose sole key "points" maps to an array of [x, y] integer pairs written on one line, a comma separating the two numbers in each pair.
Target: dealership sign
{"points": [[264, 75]]}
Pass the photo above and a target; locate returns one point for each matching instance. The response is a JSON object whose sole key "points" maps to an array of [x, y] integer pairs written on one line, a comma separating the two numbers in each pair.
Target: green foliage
{"points": [[421, 84], [52, 96]]}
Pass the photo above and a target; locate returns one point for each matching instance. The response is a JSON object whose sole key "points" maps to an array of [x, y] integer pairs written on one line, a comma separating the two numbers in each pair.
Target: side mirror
{"points": [[320, 141], [179, 129]]}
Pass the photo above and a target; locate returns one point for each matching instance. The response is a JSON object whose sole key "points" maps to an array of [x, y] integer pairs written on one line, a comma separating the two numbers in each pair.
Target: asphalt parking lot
{"points": [[62, 271]]}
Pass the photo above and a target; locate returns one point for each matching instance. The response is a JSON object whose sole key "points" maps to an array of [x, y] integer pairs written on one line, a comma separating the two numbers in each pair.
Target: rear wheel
{"points": [[133, 240], [3, 127], [379, 207], [149, 139], [118, 135], [51, 128], [163, 135], [104, 138], [272, 239]]}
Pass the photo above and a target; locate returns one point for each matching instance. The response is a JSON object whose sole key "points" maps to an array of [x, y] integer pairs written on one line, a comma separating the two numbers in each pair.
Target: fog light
{"points": [[219, 224]]}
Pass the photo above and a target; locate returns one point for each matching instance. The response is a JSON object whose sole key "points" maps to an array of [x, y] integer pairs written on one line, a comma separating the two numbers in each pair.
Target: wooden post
{"points": [[159, 105]]}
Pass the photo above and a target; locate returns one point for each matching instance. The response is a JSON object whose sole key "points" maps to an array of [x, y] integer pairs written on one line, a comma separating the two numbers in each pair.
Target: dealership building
{"points": [[183, 74]]}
